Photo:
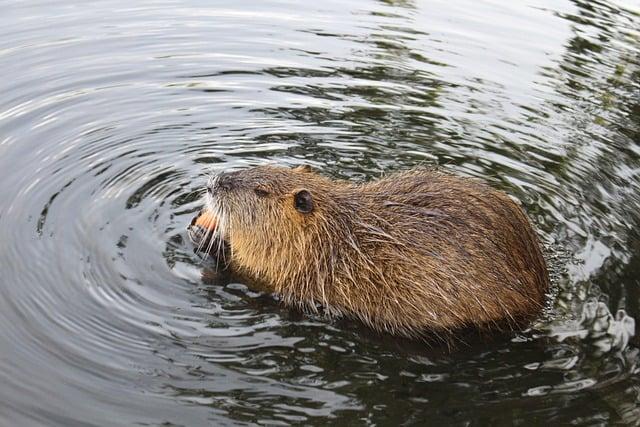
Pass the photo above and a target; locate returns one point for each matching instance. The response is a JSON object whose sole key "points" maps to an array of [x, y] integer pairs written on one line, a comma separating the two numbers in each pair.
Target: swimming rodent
{"points": [[414, 252]]}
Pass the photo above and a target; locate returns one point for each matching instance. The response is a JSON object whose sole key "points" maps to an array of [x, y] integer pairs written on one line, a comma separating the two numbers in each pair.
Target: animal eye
{"points": [[261, 192]]}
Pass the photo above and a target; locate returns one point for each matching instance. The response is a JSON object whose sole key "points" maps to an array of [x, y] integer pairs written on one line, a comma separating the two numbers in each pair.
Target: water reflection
{"points": [[598, 90]]}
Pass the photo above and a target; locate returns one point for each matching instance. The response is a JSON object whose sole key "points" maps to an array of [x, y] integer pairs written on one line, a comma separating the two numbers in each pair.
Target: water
{"points": [[112, 113]]}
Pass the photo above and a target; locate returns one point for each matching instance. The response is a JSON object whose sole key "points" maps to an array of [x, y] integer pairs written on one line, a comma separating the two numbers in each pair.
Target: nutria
{"points": [[413, 252]]}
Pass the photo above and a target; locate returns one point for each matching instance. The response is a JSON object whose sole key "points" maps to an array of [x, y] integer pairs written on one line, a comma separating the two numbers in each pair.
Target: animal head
{"points": [[267, 211]]}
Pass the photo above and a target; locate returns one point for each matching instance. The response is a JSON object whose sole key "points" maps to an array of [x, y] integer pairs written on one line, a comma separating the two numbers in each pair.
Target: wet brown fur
{"points": [[413, 252]]}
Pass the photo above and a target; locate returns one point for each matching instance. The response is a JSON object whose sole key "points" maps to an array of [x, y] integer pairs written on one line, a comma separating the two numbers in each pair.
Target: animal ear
{"points": [[303, 168], [303, 201]]}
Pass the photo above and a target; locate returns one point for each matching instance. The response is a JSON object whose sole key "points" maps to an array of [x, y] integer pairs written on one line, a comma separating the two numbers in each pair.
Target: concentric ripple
{"points": [[112, 114]]}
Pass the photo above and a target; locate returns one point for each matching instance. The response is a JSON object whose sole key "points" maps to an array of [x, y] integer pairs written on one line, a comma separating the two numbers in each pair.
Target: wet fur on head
{"points": [[414, 251]]}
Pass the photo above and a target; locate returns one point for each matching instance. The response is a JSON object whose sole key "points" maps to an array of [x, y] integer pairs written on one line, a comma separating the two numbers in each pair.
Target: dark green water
{"points": [[112, 113]]}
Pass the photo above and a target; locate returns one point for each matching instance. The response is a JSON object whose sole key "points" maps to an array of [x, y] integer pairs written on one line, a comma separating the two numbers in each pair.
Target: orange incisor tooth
{"points": [[207, 220]]}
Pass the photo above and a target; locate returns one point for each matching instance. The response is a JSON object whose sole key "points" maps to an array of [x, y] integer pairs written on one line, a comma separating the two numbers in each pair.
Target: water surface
{"points": [[112, 114]]}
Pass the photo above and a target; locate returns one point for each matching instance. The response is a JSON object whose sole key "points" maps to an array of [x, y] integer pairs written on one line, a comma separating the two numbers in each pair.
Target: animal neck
{"points": [[277, 259]]}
